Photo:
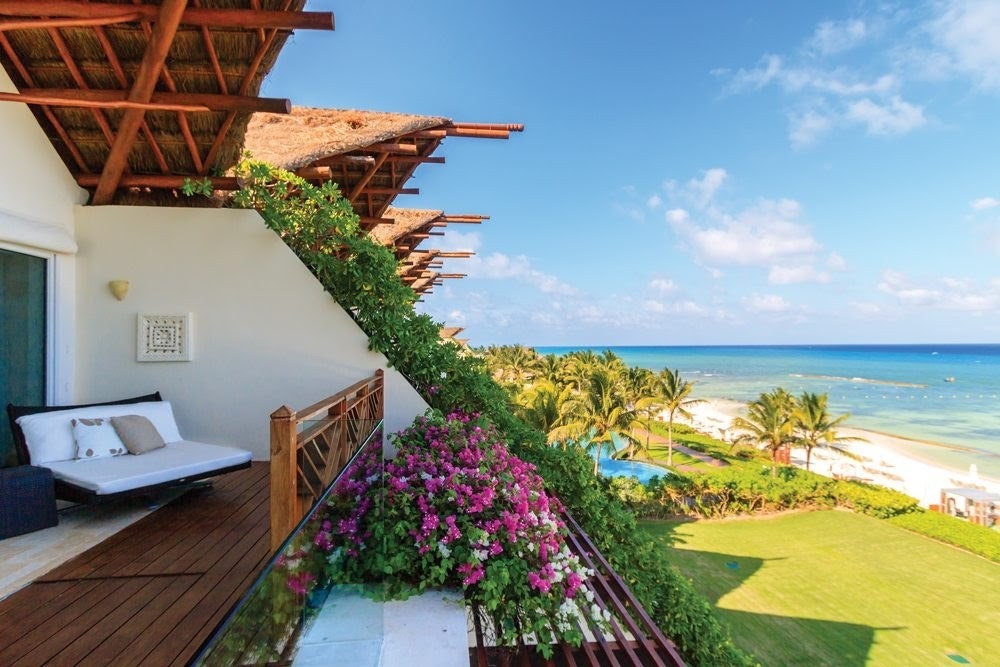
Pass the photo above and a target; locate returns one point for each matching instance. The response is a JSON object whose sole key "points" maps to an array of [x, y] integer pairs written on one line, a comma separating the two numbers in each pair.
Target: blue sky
{"points": [[694, 173]]}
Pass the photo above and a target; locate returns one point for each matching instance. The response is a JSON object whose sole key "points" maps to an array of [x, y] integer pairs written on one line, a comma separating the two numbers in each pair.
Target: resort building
{"points": [[115, 284]]}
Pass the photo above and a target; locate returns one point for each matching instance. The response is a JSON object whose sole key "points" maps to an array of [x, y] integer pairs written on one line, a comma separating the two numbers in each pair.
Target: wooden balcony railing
{"points": [[311, 446]]}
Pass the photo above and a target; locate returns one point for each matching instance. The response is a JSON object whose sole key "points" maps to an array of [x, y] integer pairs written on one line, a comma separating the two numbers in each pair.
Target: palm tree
{"points": [[642, 387], [673, 393], [816, 428], [603, 407], [540, 406], [769, 422]]}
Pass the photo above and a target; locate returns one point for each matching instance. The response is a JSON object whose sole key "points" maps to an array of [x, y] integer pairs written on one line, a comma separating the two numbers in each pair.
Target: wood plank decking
{"points": [[153, 592]]}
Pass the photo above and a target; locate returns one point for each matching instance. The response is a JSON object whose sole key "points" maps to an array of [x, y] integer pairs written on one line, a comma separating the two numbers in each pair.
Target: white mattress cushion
{"points": [[166, 464], [49, 435]]}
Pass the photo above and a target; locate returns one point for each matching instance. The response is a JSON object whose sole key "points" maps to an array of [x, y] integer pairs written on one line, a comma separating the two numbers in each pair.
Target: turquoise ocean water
{"points": [[947, 395]]}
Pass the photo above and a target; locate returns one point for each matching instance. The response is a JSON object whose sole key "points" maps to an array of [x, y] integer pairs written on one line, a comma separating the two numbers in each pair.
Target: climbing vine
{"points": [[322, 229]]}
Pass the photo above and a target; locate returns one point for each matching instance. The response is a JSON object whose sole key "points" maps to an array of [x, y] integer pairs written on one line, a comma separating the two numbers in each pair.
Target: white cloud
{"points": [[837, 36], [835, 262], [984, 203], [456, 316], [456, 241], [663, 285], [654, 201], [765, 304], [499, 266], [677, 215], [967, 32], [683, 307], [808, 127], [769, 234], [762, 235], [703, 189], [895, 117], [867, 309], [949, 294], [801, 273]]}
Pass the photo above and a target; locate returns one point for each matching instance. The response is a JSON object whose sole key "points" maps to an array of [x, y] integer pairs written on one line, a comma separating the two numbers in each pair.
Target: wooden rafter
{"points": [[265, 44], [369, 174], [118, 99], [196, 16], [167, 21]]}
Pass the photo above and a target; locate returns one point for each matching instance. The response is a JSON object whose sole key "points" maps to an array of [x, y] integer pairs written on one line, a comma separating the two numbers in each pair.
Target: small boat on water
{"points": [[949, 379]]}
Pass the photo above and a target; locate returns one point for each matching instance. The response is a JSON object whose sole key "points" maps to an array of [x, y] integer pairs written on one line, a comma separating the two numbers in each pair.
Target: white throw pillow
{"points": [[96, 438], [49, 435]]}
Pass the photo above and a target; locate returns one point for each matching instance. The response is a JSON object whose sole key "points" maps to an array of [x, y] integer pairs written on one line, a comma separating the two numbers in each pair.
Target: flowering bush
{"points": [[456, 508]]}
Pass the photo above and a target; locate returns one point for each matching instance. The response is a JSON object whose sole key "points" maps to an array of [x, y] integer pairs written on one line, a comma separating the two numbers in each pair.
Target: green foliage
{"points": [[872, 499], [320, 226], [739, 490], [976, 539], [197, 187]]}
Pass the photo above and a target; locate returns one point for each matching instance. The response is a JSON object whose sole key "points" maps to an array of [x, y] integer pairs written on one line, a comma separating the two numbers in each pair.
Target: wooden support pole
{"points": [[167, 21], [372, 170], [284, 475], [250, 19]]}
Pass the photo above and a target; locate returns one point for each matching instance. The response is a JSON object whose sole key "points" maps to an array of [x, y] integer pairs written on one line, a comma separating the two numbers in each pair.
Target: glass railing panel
{"points": [[307, 605]]}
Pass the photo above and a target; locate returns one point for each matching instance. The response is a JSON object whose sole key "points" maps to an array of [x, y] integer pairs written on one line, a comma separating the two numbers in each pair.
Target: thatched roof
{"points": [[408, 221], [95, 80], [369, 154], [307, 135], [450, 332]]}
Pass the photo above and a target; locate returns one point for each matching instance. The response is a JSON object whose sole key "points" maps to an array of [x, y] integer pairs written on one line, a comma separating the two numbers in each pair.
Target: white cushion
{"points": [[49, 435], [123, 473], [96, 438]]}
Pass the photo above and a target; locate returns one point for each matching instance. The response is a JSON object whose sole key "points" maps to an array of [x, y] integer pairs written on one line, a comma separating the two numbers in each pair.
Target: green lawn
{"points": [[836, 588]]}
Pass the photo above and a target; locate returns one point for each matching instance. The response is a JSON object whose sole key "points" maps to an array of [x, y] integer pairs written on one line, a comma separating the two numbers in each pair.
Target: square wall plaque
{"points": [[164, 338]]}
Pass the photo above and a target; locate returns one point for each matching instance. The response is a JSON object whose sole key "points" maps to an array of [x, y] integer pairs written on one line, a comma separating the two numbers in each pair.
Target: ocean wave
{"points": [[859, 380]]}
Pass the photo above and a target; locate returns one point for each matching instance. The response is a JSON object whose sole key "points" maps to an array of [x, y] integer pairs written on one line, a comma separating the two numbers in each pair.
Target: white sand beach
{"points": [[885, 459]]}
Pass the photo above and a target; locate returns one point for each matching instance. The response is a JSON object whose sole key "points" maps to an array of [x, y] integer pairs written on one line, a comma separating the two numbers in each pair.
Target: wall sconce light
{"points": [[119, 288]]}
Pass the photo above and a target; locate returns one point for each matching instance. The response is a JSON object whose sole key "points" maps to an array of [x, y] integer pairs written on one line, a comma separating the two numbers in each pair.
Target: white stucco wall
{"points": [[265, 331], [37, 192]]}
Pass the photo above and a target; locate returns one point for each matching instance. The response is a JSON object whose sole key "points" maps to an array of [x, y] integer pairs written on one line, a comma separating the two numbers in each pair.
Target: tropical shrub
{"points": [[873, 500], [746, 490], [976, 539], [456, 508]]}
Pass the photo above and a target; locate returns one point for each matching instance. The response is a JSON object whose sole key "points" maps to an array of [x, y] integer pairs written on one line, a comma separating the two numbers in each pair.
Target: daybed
{"points": [[44, 436]]}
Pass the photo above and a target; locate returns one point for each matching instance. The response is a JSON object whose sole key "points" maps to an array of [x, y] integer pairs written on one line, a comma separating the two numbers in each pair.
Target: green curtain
{"points": [[22, 338]]}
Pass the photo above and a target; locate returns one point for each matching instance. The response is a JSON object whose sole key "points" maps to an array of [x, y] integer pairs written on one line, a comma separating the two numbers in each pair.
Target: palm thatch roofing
{"points": [[369, 154], [407, 229], [307, 135], [144, 95]]}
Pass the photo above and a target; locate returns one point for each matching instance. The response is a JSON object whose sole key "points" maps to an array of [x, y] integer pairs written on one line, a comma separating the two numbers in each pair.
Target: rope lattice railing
{"points": [[309, 447]]}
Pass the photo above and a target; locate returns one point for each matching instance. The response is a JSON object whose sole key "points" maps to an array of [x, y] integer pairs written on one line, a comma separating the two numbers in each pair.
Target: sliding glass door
{"points": [[22, 337]]}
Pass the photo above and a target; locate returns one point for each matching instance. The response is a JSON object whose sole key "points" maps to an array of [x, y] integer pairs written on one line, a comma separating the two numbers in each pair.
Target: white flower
{"points": [[443, 549]]}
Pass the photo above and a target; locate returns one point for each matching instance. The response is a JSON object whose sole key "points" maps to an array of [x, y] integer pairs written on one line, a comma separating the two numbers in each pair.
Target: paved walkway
{"points": [[693, 453]]}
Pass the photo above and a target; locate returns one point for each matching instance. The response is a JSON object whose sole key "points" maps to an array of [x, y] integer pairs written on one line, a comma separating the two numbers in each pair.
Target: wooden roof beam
{"points": [[464, 219], [368, 223], [118, 99], [161, 181], [249, 19], [393, 147], [392, 191], [167, 21]]}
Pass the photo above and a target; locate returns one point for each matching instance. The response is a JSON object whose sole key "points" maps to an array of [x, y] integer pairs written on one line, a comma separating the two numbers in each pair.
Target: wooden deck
{"points": [[152, 593]]}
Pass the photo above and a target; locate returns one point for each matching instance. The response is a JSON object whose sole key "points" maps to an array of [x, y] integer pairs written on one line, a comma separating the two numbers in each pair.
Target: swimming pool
{"points": [[642, 471]]}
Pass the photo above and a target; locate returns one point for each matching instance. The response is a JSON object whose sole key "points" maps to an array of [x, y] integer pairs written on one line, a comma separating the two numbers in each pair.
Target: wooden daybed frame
{"points": [[73, 493]]}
